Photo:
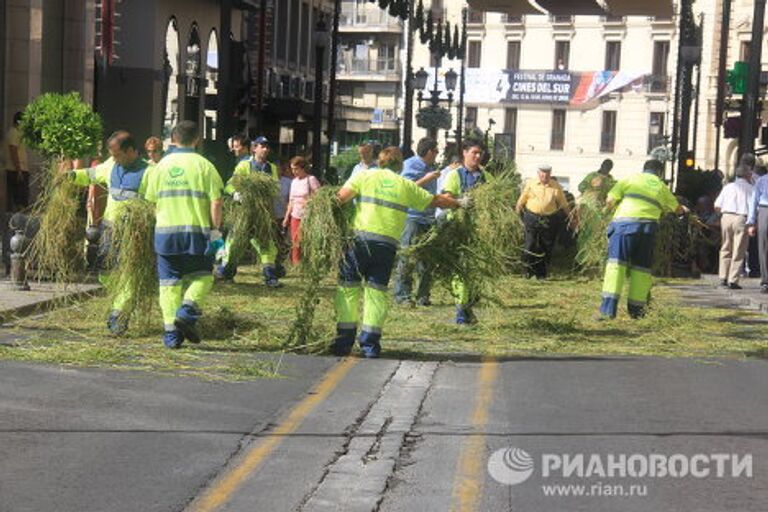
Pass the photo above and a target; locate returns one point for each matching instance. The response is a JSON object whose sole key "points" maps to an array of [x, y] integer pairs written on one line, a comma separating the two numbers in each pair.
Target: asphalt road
{"points": [[387, 435]]}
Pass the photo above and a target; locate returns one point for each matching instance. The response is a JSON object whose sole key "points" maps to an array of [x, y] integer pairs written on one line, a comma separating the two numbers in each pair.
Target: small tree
{"points": [[61, 126]]}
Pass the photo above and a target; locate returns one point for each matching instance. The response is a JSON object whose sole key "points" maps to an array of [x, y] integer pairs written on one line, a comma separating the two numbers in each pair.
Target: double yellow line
{"points": [[223, 489], [470, 471]]}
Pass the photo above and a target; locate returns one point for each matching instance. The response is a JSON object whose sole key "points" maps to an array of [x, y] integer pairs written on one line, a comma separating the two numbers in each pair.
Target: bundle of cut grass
{"points": [[56, 252], [477, 245], [325, 236], [676, 240], [252, 216], [592, 242], [131, 258]]}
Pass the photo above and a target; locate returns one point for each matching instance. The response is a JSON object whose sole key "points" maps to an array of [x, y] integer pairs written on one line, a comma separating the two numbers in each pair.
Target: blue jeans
{"points": [[406, 267]]}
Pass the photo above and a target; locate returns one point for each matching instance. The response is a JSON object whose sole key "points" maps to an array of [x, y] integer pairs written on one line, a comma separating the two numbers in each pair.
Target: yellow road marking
{"points": [[468, 482], [226, 486]]}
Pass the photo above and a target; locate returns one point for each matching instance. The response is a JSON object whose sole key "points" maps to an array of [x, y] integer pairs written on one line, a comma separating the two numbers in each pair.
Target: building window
{"points": [[470, 118], [475, 17], [612, 55], [655, 130], [608, 134], [659, 67], [304, 49], [513, 55], [474, 50], [558, 130], [562, 53], [510, 120], [744, 51]]}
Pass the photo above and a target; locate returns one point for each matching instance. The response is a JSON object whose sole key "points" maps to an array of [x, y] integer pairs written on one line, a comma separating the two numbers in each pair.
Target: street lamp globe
{"points": [[451, 78], [421, 79]]}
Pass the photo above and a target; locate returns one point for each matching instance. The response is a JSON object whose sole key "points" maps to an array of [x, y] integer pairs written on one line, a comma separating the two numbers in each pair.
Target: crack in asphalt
{"points": [[410, 440], [349, 434]]}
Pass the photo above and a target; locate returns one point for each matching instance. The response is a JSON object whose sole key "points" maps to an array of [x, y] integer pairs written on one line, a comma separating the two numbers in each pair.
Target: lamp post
{"points": [[435, 95], [320, 41]]}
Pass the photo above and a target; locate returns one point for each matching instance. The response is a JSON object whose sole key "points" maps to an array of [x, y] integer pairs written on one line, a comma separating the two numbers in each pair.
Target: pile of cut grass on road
{"points": [[526, 318]]}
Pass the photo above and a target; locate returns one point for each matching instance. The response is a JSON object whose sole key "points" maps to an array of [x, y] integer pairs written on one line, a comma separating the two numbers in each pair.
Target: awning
{"points": [[662, 8]]}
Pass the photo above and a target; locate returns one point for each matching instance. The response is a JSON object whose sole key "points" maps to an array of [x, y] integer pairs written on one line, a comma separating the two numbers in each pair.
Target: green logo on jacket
{"points": [[175, 172]]}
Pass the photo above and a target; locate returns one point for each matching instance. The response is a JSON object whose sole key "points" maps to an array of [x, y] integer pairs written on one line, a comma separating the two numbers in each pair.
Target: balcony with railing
{"points": [[509, 19], [613, 20], [656, 84], [384, 69], [558, 20], [475, 17], [367, 17]]}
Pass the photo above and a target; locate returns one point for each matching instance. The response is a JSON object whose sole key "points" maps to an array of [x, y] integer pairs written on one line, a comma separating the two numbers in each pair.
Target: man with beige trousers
{"points": [[733, 203]]}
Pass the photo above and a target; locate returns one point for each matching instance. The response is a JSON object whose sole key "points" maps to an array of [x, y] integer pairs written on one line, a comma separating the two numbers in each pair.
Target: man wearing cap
{"points": [[256, 163], [539, 204], [642, 199]]}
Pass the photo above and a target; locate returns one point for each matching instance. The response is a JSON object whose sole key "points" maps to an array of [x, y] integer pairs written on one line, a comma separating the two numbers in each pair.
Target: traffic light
{"points": [[737, 77], [689, 161]]}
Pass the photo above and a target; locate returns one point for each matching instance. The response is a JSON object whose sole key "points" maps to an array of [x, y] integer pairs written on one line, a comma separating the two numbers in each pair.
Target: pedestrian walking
{"points": [[757, 226], [458, 182], [367, 161], [733, 203], [380, 216], [125, 176], [302, 188], [640, 200], [540, 204], [598, 183], [257, 162], [186, 189], [419, 169]]}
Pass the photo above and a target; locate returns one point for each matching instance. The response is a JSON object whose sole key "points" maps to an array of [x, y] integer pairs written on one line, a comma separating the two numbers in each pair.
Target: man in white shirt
{"points": [[733, 203]]}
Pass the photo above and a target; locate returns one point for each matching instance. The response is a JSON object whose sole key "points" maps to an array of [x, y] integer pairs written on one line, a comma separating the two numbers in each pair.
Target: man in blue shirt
{"points": [[757, 224], [417, 169]]}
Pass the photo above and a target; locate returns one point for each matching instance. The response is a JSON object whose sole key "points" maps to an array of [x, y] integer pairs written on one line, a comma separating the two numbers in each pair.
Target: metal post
{"points": [[408, 109], [463, 84], [698, 89], [261, 65], [224, 120], [331, 129], [749, 104], [317, 119], [721, 72]]}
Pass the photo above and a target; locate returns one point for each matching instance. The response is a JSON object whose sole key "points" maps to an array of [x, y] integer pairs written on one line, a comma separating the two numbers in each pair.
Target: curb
{"points": [[43, 306]]}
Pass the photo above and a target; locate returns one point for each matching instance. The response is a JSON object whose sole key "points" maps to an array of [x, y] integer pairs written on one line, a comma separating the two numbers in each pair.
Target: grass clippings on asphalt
{"points": [[526, 318]]}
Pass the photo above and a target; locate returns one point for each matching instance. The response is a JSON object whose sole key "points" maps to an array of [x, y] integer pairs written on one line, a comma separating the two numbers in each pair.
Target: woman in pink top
{"points": [[302, 187]]}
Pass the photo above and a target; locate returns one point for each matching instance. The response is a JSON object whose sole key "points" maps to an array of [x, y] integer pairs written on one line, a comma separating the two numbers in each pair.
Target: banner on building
{"points": [[531, 87]]}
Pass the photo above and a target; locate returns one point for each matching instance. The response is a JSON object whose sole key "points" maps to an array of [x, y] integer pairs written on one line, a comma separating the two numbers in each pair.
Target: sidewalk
{"points": [[42, 297], [707, 292]]}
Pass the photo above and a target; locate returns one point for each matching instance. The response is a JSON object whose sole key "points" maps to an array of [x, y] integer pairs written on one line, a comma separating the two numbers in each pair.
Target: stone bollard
{"points": [[92, 236], [18, 246]]}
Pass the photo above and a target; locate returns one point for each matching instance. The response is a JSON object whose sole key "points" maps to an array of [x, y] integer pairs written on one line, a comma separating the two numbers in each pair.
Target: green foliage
{"points": [[345, 161], [61, 125]]}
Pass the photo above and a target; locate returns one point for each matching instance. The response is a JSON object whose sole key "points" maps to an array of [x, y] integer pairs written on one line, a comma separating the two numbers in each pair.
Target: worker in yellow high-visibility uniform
{"points": [[641, 199], [125, 176], [458, 182], [381, 210], [187, 191], [247, 164]]}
